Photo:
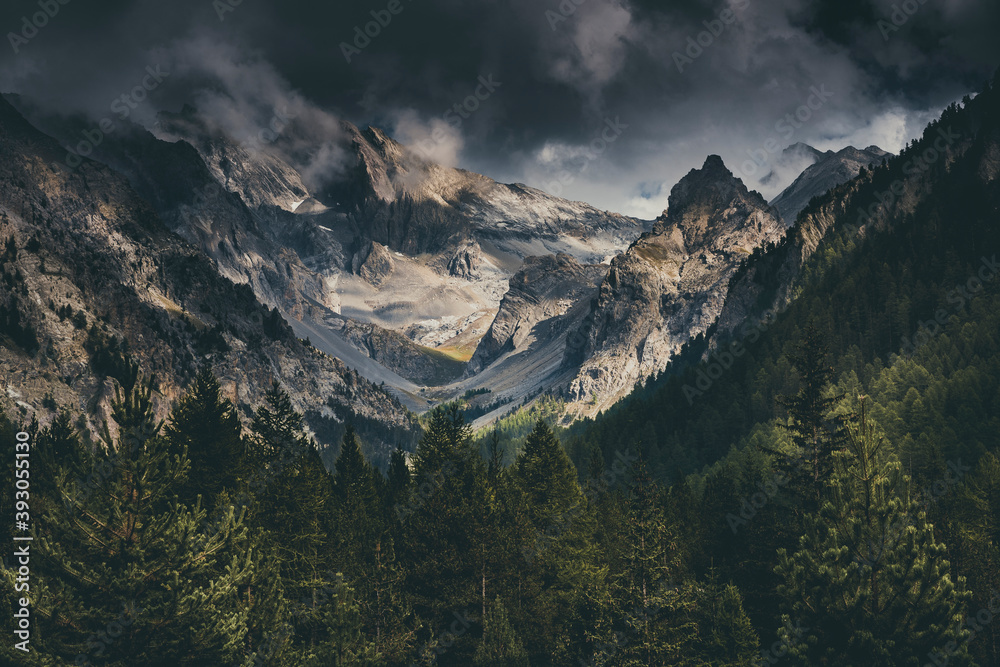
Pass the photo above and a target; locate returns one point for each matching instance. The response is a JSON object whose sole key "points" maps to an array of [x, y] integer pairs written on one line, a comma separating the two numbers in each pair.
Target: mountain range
{"points": [[428, 281]]}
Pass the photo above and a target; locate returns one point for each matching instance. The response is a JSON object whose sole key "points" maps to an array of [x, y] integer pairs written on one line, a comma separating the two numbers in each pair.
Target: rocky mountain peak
{"points": [[707, 202], [670, 285]]}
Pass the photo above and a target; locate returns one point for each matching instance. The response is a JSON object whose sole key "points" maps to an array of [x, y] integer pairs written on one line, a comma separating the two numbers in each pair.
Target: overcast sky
{"points": [[666, 82]]}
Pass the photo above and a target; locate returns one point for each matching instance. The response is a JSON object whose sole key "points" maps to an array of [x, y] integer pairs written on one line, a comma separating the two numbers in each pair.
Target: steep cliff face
{"points": [[95, 273], [670, 285], [260, 178], [256, 246], [373, 263], [395, 241], [544, 289]]}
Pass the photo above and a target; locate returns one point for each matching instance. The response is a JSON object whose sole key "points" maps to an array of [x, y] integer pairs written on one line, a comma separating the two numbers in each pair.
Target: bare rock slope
{"points": [[95, 275], [670, 285]]}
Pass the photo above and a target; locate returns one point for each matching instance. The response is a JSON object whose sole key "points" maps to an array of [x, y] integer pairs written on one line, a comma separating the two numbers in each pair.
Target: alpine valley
{"points": [[384, 410]]}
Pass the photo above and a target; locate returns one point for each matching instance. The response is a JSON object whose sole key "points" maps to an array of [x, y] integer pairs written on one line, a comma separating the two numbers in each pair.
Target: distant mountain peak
{"points": [[829, 170]]}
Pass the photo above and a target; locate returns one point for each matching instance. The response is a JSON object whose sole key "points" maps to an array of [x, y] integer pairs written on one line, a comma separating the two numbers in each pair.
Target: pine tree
{"points": [[646, 569], [726, 636], [293, 498], [59, 450], [976, 514], [354, 481], [277, 435], [548, 478], [206, 423], [124, 575], [869, 584], [365, 548]]}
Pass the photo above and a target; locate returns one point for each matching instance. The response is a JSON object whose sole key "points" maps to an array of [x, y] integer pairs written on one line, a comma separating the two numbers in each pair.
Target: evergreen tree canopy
{"points": [[127, 553], [870, 584]]}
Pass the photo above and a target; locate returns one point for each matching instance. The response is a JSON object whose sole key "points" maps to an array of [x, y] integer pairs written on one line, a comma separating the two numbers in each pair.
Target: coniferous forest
{"points": [[828, 496]]}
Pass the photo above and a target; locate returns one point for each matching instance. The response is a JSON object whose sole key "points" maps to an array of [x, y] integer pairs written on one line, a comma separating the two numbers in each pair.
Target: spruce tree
{"points": [[354, 479], [548, 478], [365, 549], [571, 582], [976, 515], [870, 584], [206, 423], [646, 571], [442, 523], [726, 635]]}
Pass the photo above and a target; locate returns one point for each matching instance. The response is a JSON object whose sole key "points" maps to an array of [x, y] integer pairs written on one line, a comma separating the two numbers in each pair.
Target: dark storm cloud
{"points": [[566, 71]]}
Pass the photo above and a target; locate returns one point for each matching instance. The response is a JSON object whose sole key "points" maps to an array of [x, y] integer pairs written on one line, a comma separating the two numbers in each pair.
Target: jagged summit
{"points": [[671, 283]]}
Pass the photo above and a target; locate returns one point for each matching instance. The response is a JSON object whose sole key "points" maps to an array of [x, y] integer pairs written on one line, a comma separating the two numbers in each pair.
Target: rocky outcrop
{"points": [[466, 261], [243, 167], [393, 240], [413, 206], [373, 263], [670, 285], [401, 355], [543, 289]]}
